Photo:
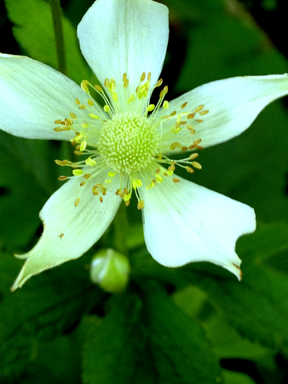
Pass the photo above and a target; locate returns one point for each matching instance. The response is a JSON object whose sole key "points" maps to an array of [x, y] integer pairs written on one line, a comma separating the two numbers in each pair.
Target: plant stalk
{"points": [[59, 36]]}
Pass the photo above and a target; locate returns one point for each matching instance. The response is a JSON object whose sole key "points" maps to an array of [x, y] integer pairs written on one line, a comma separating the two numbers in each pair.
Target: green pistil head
{"points": [[128, 143]]}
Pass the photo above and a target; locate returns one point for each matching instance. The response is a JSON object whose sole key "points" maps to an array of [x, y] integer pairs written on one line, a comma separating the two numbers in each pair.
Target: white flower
{"points": [[127, 142]]}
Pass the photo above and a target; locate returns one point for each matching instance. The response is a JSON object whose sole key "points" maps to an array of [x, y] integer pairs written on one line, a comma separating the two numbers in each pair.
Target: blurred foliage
{"points": [[194, 324]]}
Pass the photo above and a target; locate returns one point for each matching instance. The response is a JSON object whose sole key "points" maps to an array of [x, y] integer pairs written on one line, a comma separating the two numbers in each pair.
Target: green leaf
{"points": [[110, 350], [256, 307], [147, 340], [236, 378], [50, 304], [33, 30], [26, 180], [178, 343]]}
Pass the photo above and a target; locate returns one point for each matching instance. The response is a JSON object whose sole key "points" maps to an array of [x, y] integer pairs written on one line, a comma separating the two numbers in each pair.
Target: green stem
{"points": [[120, 225], [58, 32]]}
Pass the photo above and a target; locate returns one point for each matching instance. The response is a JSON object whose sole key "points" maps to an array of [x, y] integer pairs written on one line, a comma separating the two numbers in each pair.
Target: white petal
{"points": [[69, 231], [184, 222], [125, 36], [34, 95], [233, 105]]}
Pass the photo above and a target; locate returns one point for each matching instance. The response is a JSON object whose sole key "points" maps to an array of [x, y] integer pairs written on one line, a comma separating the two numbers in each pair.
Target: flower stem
{"points": [[58, 32], [120, 225]]}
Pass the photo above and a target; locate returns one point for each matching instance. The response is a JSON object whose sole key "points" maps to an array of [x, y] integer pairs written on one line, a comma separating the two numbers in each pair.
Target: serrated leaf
{"points": [[150, 341], [50, 304], [110, 348], [257, 306], [178, 343], [33, 30]]}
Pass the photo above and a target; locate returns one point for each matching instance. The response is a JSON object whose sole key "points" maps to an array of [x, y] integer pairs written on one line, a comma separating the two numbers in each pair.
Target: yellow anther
{"points": [[175, 145], [77, 138], [158, 178], [196, 165], [82, 106], [184, 105], [176, 180], [106, 83], [202, 113], [111, 174], [83, 145], [191, 115], [93, 116], [67, 162], [59, 162], [85, 125], [77, 102], [184, 148], [196, 142], [199, 108], [87, 176], [169, 172], [84, 86], [78, 153], [108, 181], [149, 76], [90, 162], [189, 169], [106, 108], [136, 183], [95, 190], [127, 197], [57, 121], [77, 201], [90, 102], [58, 129], [126, 83], [173, 113], [82, 184], [159, 83], [142, 78], [166, 104], [73, 115], [62, 178], [176, 129], [193, 156], [172, 167], [140, 204], [115, 97], [150, 107], [77, 172], [191, 129], [98, 88], [163, 92], [124, 77], [130, 99], [112, 85]]}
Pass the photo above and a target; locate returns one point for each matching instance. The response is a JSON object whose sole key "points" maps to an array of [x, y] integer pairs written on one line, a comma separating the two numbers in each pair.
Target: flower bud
{"points": [[110, 270]]}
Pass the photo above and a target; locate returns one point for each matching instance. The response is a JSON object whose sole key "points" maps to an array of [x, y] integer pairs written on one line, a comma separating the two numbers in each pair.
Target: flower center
{"points": [[128, 142]]}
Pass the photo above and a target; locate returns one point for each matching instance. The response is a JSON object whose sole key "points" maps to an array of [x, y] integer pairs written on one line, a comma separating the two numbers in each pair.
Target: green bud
{"points": [[110, 270]]}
